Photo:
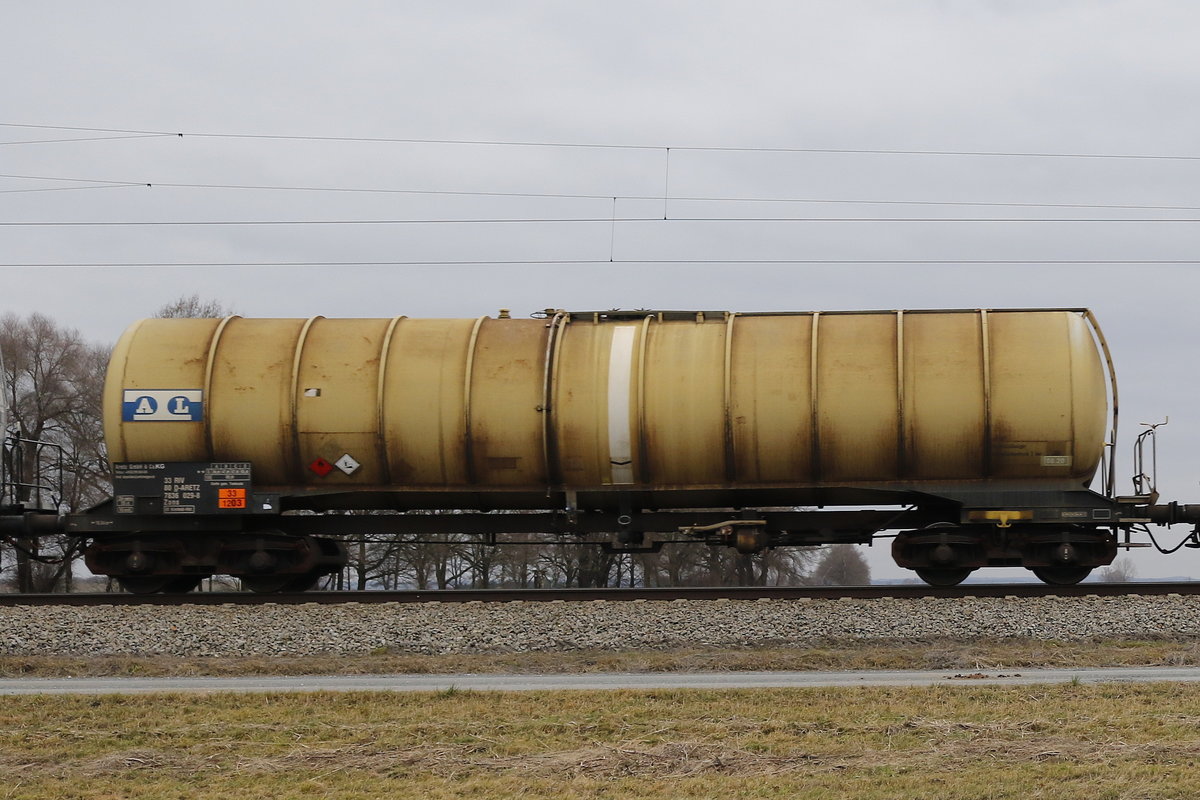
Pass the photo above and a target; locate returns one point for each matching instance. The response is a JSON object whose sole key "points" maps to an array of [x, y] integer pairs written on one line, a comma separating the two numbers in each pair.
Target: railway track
{"points": [[612, 595]]}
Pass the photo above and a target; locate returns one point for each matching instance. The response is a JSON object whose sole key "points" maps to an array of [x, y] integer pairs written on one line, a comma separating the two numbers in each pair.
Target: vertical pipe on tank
{"points": [[814, 405], [1109, 487], [643, 466], [385, 349], [555, 372], [468, 447], [206, 396], [1070, 345], [985, 345], [297, 469], [901, 426], [557, 328], [730, 461]]}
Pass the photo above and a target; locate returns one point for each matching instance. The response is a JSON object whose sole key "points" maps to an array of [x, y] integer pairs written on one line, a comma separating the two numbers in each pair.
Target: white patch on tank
{"points": [[620, 368], [162, 405]]}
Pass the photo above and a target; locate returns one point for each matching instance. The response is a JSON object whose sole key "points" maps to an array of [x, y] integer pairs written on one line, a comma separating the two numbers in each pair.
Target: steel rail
{"points": [[877, 592]]}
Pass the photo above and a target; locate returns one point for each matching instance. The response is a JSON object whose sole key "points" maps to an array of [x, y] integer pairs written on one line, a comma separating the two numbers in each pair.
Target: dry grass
{"points": [[1096, 742], [937, 654]]}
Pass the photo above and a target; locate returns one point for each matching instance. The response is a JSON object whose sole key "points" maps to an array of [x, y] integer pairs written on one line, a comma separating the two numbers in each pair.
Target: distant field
{"points": [[937, 654], [1100, 742]]}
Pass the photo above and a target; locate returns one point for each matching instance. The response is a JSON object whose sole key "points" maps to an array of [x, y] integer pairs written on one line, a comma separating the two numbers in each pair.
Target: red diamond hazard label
{"points": [[321, 467]]}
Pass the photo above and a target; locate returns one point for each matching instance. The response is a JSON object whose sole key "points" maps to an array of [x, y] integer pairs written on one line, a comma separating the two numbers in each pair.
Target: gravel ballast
{"points": [[455, 628]]}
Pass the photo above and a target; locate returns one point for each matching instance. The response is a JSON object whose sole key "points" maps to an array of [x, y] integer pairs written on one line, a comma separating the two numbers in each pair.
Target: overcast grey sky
{"points": [[1085, 78]]}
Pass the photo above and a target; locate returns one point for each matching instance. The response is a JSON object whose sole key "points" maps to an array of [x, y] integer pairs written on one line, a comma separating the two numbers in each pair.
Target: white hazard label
{"points": [[347, 464]]}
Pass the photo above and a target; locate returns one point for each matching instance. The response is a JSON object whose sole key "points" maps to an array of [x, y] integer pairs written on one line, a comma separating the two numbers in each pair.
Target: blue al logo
{"points": [[162, 405]]}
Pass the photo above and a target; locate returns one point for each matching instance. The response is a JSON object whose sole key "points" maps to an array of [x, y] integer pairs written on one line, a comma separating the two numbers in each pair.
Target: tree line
{"points": [[53, 386]]}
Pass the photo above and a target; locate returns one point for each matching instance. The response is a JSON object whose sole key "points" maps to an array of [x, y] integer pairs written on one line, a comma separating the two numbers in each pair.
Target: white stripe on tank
{"points": [[620, 368]]}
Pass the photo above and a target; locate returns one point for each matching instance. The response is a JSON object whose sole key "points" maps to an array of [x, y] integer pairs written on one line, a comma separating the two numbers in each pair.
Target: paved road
{"points": [[612, 680]]}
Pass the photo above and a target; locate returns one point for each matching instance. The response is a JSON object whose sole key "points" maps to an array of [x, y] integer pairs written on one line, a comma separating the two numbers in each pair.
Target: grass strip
{"points": [[1101, 742]]}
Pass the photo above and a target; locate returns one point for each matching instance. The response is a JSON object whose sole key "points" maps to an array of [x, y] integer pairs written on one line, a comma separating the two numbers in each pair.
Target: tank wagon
{"points": [[979, 437]]}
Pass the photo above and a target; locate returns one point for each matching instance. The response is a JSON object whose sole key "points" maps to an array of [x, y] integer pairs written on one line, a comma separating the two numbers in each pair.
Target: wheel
{"points": [[183, 584], [145, 584], [265, 584], [302, 583], [270, 584], [1061, 576], [154, 584], [944, 576]]}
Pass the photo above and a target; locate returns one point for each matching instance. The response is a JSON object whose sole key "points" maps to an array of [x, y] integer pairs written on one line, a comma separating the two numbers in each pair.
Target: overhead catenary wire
{"points": [[618, 261], [612, 219], [611, 146], [87, 139], [111, 183], [66, 188], [560, 220]]}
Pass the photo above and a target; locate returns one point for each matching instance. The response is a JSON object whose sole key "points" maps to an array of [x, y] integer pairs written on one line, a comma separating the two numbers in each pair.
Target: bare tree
{"points": [[578, 564], [483, 560], [686, 564], [842, 565], [192, 306], [1120, 571], [429, 563], [520, 565], [52, 391], [372, 560]]}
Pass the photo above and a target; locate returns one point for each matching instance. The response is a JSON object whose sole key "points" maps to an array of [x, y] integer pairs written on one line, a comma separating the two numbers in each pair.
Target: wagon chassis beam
{"points": [[788, 525]]}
